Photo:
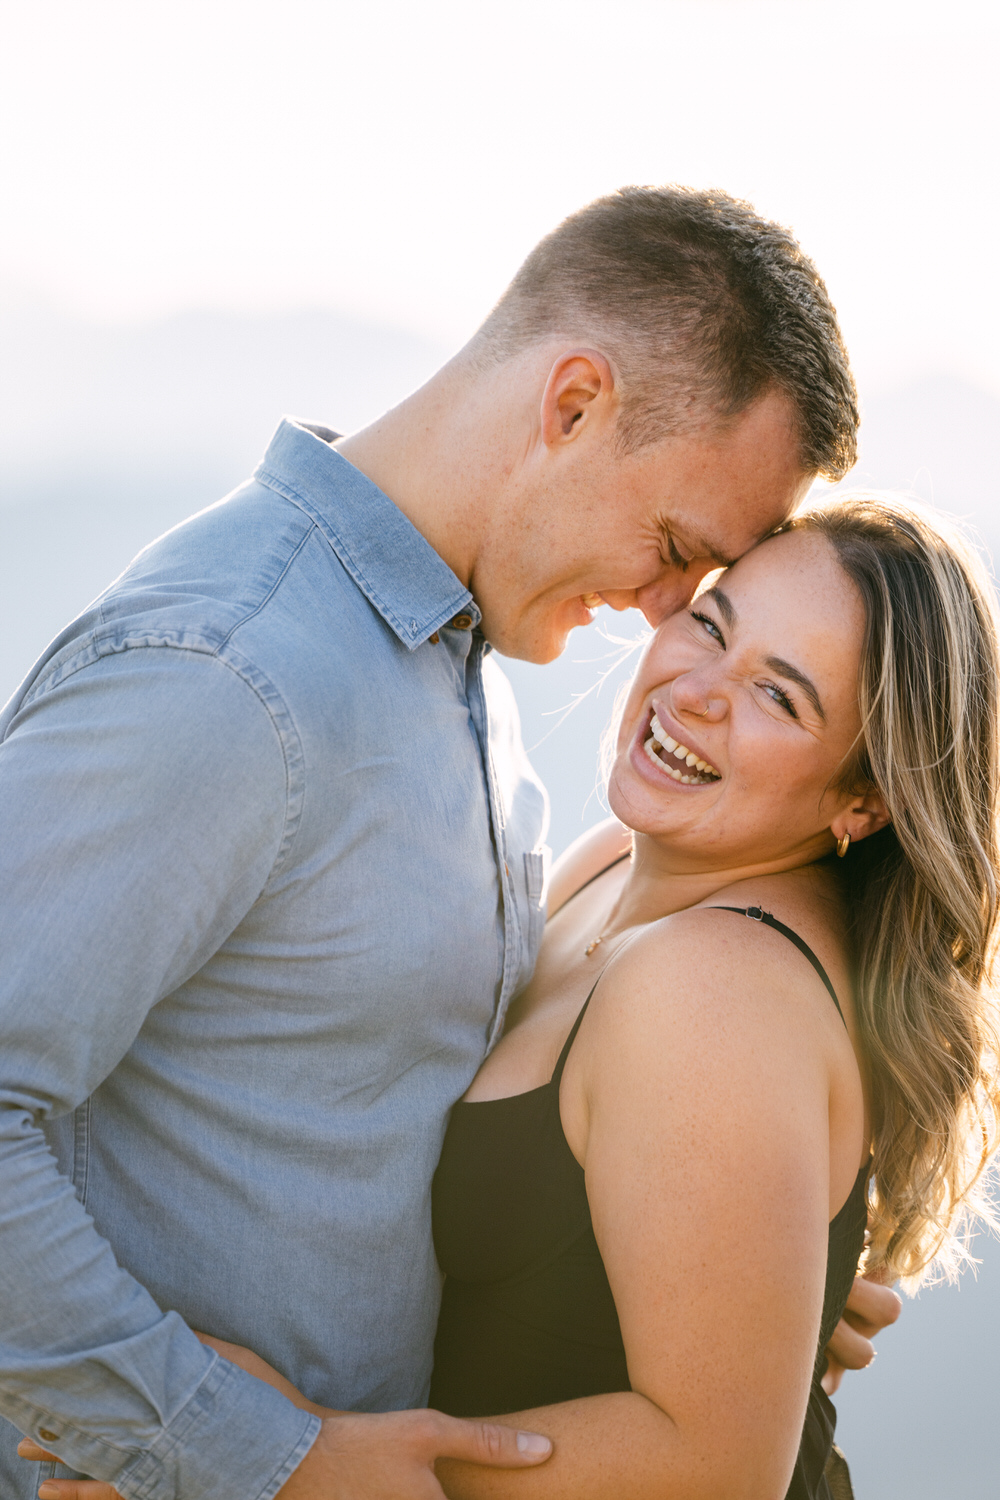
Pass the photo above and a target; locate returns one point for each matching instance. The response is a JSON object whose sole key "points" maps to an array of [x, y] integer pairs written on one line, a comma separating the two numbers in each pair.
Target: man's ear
{"points": [[865, 814], [580, 390]]}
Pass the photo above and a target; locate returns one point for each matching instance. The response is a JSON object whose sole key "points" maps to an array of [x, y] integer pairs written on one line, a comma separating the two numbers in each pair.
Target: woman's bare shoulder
{"points": [[809, 902], [586, 857], [712, 968]]}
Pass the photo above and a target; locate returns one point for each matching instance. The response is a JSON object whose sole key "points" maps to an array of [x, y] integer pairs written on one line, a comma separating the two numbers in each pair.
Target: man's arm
{"points": [[373, 1458], [142, 805]]}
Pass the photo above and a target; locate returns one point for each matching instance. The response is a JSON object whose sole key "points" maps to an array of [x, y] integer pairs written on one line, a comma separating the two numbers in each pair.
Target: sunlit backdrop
{"points": [[218, 212]]}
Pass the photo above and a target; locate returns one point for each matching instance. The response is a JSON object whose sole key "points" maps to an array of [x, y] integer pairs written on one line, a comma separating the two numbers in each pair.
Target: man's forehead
{"points": [[720, 515]]}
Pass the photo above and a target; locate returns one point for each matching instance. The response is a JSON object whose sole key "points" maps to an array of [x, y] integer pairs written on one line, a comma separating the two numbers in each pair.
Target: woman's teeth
{"points": [[592, 601], [660, 741]]}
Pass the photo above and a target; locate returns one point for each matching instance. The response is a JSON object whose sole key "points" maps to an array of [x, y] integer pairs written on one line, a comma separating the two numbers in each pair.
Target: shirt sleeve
{"points": [[144, 801]]}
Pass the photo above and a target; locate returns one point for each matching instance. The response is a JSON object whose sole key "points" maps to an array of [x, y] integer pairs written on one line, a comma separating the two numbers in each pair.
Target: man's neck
{"points": [[438, 457]]}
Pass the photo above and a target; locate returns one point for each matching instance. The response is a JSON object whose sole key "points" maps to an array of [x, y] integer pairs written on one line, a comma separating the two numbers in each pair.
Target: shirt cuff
{"points": [[236, 1439]]}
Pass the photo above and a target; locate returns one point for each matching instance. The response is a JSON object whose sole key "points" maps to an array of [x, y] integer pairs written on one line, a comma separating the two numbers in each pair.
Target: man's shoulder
{"points": [[241, 579], [212, 571]]}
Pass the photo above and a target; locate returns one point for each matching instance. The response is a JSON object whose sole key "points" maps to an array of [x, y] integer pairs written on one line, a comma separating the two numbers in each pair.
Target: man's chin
{"points": [[536, 648], [527, 637]]}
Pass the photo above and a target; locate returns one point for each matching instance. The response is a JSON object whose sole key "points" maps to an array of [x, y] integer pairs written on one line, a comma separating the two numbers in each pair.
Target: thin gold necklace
{"points": [[599, 939]]}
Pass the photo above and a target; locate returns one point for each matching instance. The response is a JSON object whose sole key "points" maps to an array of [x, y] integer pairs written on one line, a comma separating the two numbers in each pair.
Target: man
{"points": [[272, 863]]}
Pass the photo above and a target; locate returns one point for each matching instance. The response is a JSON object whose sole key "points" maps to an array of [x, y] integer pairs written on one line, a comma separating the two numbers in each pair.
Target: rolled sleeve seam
{"points": [[145, 1478]]}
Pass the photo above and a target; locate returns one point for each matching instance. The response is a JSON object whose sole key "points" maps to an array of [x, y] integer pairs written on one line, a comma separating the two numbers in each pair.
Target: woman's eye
{"points": [[773, 691], [709, 625]]}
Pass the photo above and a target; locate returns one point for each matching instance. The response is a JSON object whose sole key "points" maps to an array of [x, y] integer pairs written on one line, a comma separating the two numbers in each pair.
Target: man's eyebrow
{"points": [[698, 546], [705, 549], [785, 669], [702, 547]]}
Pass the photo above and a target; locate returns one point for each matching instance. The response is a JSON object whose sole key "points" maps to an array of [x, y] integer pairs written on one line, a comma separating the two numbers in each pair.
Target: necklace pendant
{"points": [[591, 946]]}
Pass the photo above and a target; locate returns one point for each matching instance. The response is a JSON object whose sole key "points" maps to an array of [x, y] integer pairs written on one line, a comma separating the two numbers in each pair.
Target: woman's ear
{"points": [[866, 813]]}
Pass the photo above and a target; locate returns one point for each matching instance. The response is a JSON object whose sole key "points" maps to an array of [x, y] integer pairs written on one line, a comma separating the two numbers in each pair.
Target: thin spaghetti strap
{"points": [[558, 1072], [757, 914], [583, 887]]}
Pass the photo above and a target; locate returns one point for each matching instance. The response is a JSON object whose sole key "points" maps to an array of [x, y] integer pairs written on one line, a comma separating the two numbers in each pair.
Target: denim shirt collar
{"points": [[395, 567]]}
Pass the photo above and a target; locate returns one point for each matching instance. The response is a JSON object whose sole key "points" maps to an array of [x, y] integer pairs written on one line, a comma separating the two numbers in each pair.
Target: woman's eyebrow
{"points": [[725, 606], [776, 663], [785, 669]]}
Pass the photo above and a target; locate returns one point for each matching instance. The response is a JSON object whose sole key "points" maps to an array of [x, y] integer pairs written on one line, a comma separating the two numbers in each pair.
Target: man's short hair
{"points": [[702, 305]]}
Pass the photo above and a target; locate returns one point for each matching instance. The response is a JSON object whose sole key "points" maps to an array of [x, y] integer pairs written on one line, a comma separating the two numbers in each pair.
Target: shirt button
{"points": [[461, 622], [434, 638], [47, 1435]]}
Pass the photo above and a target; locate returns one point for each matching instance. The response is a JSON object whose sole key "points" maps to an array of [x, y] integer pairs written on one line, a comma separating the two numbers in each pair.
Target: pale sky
{"points": [[396, 160]]}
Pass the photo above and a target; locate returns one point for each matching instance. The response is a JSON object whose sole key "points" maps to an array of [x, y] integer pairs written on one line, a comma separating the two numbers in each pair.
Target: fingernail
{"points": [[533, 1442], [48, 1492]]}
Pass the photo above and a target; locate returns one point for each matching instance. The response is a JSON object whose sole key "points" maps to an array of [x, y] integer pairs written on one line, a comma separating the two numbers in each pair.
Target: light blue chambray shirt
{"points": [[271, 868]]}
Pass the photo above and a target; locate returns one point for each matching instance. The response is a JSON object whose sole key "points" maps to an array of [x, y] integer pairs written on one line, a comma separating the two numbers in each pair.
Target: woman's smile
{"points": [[681, 762]]}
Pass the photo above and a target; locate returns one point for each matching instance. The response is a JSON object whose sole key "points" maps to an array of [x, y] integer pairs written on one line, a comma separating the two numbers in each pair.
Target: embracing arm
{"points": [[126, 858], [142, 808], [386, 1457], [701, 1104]]}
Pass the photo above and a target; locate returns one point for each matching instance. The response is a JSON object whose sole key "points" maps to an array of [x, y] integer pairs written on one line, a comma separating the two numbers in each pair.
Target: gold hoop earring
{"points": [[843, 845]]}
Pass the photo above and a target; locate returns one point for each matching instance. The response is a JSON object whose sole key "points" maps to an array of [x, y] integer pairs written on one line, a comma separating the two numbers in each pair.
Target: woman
{"points": [[737, 1046]]}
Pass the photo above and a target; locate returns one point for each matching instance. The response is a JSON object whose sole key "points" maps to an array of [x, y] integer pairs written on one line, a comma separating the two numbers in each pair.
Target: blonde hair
{"points": [[923, 893]]}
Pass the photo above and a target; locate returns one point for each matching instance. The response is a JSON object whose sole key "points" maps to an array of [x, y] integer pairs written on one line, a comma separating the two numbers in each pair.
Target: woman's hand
{"points": [[254, 1365], [64, 1489]]}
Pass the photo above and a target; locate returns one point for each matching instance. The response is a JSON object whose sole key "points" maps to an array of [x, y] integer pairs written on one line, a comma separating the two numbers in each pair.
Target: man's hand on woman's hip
{"points": [[362, 1457], [391, 1457]]}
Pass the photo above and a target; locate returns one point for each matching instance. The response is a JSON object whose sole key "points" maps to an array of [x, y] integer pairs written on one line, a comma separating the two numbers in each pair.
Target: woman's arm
{"points": [[698, 1097]]}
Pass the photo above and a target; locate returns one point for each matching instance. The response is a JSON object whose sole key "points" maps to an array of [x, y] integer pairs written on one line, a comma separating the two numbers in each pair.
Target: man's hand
{"points": [[391, 1457], [870, 1308], [357, 1457], [64, 1489]]}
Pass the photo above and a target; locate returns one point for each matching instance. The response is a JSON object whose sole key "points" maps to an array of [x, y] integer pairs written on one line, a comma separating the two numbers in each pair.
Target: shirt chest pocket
{"points": [[536, 878]]}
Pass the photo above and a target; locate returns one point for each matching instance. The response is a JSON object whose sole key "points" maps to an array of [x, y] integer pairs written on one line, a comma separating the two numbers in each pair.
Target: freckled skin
{"points": [[793, 600], [590, 522], [515, 477]]}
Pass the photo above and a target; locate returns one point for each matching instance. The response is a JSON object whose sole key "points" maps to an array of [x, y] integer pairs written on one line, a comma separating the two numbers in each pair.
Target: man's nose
{"points": [[673, 590]]}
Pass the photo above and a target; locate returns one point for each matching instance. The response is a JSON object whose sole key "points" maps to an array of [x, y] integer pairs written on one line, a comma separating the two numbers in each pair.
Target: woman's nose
{"points": [[698, 694]]}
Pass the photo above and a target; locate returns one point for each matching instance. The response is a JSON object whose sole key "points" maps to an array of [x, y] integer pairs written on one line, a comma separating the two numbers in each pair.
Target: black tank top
{"points": [[527, 1316]]}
